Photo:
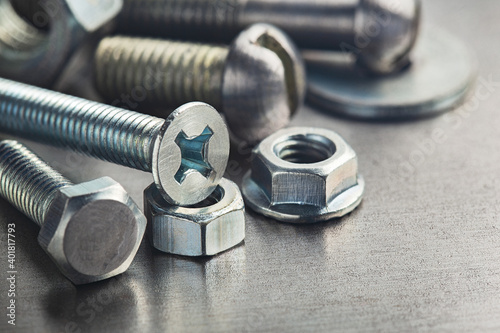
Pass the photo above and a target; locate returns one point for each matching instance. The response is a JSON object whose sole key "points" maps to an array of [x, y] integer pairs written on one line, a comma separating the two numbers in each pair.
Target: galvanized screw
{"points": [[258, 82], [124, 137], [379, 33], [91, 230]]}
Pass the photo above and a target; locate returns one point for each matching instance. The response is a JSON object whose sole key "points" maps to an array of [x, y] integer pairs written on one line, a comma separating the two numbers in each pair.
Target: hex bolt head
{"points": [[187, 153], [92, 230], [258, 82]]}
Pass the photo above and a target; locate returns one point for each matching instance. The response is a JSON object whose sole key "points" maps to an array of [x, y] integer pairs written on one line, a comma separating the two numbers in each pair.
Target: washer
{"points": [[439, 78]]}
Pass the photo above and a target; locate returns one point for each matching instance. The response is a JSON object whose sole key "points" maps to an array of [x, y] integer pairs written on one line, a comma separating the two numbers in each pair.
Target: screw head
{"points": [[385, 33], [263, 84], [190, 154]]}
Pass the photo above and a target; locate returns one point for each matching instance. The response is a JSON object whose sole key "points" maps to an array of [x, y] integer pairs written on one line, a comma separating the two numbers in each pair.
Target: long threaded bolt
{"points": [[91, 230], [258, 82], [379, 33], [124, 137]]}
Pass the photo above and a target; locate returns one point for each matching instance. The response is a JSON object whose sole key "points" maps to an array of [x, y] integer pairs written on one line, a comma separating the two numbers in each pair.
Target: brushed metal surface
{"points": [[422, 252]]}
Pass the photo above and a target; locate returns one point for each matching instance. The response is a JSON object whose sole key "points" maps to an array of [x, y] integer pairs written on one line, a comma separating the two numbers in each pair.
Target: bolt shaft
{"points": [[316, 24], [159, 71], [102, 131], [27, 182]]}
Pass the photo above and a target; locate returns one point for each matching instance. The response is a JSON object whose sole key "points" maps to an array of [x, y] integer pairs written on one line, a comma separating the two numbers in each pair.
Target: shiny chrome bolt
{"points": [[91, 230], [187, 153], [378, 33], [258, 82]]}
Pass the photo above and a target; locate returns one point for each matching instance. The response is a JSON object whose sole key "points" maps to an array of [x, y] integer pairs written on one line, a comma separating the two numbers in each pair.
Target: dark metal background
{"points": [[422, 253]]}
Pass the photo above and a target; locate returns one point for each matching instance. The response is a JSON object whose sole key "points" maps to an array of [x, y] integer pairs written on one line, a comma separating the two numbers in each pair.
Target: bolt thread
{"points": [[159, 72], [27, 182], [181, 18], [102, 131]]}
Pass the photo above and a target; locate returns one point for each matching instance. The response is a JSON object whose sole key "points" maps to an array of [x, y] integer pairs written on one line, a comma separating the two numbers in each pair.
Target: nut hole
{"points": [[37, 13], [305, 149], [212, 199]]}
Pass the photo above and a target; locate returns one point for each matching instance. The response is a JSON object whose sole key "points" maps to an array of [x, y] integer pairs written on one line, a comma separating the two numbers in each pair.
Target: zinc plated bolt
{"points": [[92, 230], [379, 33], [187, 153], [258, 82]]}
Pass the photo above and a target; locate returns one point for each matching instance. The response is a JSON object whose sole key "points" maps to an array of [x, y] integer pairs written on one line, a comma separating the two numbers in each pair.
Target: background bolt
{"points": [[45, 47], [379, 33], [91, 230], [124, 137], [258, 82]]}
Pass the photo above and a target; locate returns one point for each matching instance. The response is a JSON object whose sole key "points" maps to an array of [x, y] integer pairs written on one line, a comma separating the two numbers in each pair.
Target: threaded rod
{"points": [[102, 131], [159, 71], [26, 181]]}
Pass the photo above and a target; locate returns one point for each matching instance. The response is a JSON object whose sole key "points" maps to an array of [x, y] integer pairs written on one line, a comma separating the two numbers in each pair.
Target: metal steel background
{"points": [[422, 253]]}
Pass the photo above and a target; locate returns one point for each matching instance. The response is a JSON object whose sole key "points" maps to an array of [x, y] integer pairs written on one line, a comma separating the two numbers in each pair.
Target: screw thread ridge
{"points": [[27, 182], [160, 71], [186, 17], [95, 129]]}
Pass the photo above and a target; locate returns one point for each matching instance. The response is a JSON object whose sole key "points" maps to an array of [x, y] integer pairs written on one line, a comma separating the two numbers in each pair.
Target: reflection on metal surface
{"points": [[89, 307], [439, 78], [212, 286]]}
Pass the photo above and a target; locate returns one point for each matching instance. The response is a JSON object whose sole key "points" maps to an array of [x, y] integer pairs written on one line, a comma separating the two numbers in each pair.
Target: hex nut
{"points": [[71, 23], [92, 230], [205, 229], [303, 175]]}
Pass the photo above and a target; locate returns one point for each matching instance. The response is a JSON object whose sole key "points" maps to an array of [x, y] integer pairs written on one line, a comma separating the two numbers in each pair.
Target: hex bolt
{"points": [[92, 230], [187, 153], [379, 33], [258, 82]]}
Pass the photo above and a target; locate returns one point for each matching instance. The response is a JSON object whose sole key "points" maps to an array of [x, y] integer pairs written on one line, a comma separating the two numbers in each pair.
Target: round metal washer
{"points": [[439, 78]]}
